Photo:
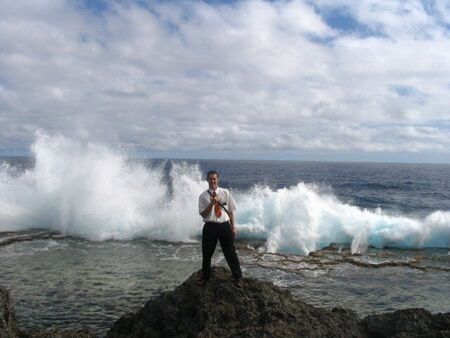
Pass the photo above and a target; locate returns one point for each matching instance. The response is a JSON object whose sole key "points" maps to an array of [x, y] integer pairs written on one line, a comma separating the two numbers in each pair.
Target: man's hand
{"points": [[233, 231], [214, 200]]}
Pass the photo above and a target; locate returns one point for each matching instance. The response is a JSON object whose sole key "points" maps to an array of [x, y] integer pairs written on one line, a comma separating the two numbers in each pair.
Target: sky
{"points": [[326, 80]]}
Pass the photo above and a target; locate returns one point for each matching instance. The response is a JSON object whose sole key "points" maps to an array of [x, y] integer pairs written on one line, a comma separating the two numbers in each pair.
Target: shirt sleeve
{"points": [[202, 203], [231, 204]]}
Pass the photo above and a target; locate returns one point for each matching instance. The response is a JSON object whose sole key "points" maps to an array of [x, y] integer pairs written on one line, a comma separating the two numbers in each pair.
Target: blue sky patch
{"points": [[320, 39], [405, 90], [343, 21], [409, 92], [95, 6]]}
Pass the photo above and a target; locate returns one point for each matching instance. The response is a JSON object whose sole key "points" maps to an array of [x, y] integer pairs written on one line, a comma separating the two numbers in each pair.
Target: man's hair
{"points": [[212, 172]]}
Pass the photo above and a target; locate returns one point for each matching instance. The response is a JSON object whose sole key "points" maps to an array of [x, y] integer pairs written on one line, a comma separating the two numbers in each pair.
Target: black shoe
{"points": [[238, 283]]}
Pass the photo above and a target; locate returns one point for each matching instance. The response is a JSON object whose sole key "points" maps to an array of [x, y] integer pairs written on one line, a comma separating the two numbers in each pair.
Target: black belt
{"points": [[227, 222]]}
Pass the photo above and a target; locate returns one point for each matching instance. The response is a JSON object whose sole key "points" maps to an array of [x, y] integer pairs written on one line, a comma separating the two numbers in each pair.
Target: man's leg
{"points": [[227, 243], [209, 242]]}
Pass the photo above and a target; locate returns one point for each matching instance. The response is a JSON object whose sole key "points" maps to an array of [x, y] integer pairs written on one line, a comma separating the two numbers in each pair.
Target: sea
{"points": [[89, 233]]}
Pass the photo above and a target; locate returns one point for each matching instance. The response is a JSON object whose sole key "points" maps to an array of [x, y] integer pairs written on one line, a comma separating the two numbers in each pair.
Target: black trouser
{"points": [[222, 232]]}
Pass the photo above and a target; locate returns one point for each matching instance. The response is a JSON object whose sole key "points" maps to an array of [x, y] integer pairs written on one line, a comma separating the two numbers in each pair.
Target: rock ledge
{"points": [[258, 309], [261, 309]]}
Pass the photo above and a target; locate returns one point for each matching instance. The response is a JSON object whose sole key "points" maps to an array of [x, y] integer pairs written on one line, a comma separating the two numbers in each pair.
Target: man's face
{"points": [[213, 181]]}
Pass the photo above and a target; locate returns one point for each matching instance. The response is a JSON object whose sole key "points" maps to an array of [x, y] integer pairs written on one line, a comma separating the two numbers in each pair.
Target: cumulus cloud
{"points": [[247, 76]]}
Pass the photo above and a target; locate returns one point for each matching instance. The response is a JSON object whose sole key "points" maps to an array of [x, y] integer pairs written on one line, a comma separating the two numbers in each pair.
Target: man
{"points": [[217, 207]]}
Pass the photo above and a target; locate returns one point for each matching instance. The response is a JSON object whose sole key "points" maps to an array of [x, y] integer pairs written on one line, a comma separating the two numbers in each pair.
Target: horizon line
{"points": [[254, 159]]}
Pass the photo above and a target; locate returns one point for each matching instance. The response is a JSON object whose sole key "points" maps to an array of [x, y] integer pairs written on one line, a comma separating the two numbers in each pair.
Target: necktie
{"points": [[217, 208]]}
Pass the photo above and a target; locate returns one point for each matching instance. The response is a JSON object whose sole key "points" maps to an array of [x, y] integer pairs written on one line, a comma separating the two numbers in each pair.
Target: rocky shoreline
{"points": [[258, 309]]}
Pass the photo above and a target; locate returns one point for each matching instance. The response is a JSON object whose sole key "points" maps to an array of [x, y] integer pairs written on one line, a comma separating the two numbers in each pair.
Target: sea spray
{"points": [[89, 190], [301, 219]]}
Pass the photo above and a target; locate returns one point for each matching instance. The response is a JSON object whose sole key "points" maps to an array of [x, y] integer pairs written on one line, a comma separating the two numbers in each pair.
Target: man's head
{"points": [[213, 179]]}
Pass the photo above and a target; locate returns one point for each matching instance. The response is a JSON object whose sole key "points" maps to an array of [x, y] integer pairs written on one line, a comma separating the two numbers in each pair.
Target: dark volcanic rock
{"points": [[261, 309], [258, 309], [408, 323], [58, 333], [220, 309], [8, 327]]}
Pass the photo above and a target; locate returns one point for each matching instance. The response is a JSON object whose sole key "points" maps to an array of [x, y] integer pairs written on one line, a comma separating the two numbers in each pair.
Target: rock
{"points": [[58, 333], [258, 309], [8, 326], [220, 309], [261, 309], [408, 323]]}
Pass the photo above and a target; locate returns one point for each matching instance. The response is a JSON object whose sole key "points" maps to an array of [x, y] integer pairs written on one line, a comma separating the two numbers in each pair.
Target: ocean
{"points": [[88, 233]]}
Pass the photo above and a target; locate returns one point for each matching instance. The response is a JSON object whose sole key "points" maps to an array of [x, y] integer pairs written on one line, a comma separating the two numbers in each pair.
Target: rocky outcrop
{"points": [[257, 309], [408, 323], [261, 309], [220, 309], [8, 326]]}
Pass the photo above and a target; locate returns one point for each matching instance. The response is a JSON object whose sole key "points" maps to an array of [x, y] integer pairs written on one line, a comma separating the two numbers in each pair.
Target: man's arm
{"points": [[231, 214], [233, 228], [207, 211], [231, 208]]}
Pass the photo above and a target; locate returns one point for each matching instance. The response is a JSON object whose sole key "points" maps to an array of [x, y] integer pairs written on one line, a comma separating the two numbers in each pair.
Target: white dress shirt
{"points": [[225, 199]]}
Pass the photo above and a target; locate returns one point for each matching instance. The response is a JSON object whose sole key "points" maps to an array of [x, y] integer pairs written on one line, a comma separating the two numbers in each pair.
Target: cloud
{"points": [[251, 76]]}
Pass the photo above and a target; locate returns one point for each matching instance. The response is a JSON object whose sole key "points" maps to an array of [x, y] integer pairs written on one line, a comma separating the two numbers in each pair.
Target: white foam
{"points": [[88, 190], [301, 219]]}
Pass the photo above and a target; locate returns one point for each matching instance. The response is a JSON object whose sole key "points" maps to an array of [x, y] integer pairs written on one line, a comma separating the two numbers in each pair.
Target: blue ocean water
{"points": [[400, 188], [297, 207], [408, 188], [88, 234]]}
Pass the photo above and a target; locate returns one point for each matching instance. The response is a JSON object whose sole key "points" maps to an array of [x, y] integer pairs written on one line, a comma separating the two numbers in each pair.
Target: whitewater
{"points": [[88, 190]]}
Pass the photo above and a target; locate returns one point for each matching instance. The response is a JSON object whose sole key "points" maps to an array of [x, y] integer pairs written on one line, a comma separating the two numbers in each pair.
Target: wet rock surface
{"points": [[408, 323], [261, 309], [8, 326]]}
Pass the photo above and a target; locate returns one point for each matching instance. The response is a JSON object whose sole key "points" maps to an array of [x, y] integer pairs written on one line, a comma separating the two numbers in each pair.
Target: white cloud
{"points": [[247, 76]]}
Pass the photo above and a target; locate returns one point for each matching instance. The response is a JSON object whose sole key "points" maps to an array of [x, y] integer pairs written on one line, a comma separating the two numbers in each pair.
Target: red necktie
{"points": [[217, 208]]}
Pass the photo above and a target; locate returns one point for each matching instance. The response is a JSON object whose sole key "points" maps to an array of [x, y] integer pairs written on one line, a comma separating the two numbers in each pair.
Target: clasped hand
{"points": [[214, 200]]}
